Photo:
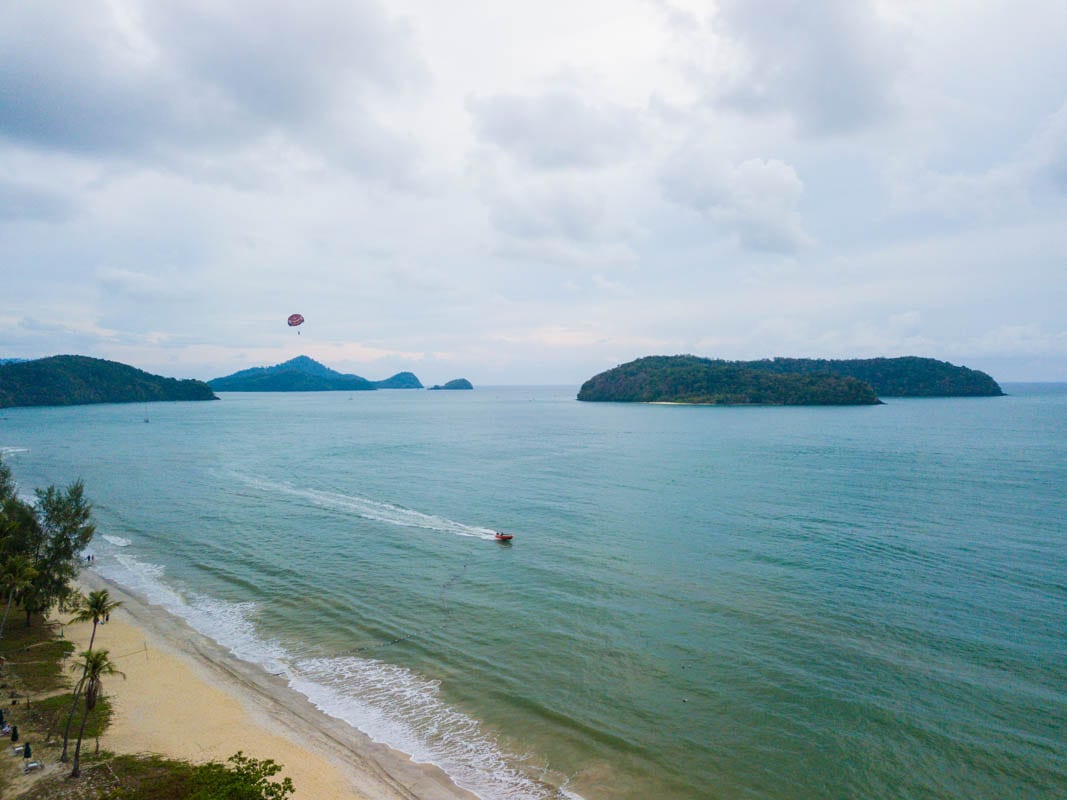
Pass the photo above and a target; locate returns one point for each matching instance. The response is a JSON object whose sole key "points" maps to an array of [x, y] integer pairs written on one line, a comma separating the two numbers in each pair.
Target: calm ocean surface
{"points": [[699, 602]]}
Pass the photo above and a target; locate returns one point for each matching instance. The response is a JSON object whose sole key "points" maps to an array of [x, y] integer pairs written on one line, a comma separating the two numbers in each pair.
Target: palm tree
{"points": [[17, 574], [97, 606], [94, 667]]}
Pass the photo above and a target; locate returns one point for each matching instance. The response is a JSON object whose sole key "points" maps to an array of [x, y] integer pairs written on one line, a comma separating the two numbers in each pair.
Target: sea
{"points": [[698, 602]]}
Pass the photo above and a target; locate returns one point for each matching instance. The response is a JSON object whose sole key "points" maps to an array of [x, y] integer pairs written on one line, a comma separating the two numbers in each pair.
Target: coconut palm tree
{"points": [[97, 606], [94, 667], [16, 574]]}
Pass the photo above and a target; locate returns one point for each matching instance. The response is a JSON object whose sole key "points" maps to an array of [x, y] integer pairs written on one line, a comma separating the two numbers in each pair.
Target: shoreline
{"points": [[217, 704]]}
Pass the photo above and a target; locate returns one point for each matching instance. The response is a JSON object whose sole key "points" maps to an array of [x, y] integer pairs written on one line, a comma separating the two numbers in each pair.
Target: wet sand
{"points": [[185, 696]]}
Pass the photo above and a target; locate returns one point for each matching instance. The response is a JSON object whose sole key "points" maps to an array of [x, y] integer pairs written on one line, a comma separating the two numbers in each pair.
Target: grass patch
{"points": [[153, 777], [51, 713], [35, 658]]}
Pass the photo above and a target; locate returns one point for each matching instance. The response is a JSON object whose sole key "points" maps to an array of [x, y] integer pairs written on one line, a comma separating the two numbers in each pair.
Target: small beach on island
{"points": [[185, 697]]}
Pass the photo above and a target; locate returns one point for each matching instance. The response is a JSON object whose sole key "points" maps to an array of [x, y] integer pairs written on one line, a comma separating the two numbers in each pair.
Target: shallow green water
{"points": [[698, 603]]}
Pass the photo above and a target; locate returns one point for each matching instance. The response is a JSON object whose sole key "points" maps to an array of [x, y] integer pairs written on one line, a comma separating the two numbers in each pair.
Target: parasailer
{"points": [[294, 320]]}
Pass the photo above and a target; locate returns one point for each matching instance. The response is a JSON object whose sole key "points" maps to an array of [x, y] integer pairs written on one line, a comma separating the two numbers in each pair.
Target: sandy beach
{"points": [[186, 697]]}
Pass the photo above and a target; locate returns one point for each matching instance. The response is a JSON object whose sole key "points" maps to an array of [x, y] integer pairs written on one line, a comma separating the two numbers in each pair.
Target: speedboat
{"points": [[504, 537]]}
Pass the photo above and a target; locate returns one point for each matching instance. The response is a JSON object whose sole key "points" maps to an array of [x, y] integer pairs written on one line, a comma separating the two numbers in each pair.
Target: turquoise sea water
{"points": [[698, 603]]}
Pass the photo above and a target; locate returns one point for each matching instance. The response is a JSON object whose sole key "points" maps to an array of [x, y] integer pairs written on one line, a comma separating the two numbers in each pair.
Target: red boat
{"points": [[504, 537]]}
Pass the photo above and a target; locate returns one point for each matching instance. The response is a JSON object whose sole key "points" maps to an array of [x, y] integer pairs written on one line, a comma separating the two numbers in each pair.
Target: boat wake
{"points": [[375, 510]]}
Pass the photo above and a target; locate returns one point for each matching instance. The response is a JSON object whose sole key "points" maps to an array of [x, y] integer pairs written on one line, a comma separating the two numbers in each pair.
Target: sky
{"points": [[529, 192]]}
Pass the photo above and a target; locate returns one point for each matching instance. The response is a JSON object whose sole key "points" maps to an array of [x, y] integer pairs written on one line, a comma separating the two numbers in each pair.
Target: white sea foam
{"points": [[373, 509], [389, 703], [118, 541], [229, 624], [394, 705], [6, 450]]}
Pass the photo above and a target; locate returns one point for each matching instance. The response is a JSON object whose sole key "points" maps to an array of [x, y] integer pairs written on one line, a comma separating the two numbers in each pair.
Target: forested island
{"points": [[783, 381], [690, 379], [79, 380], [304, 374], [458, 383], [907, 376]]}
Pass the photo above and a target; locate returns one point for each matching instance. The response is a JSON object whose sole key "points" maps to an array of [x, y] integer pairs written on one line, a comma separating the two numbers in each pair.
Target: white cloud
{"points": [[1009, 189], [532, 191], [24, 201], [1049, 149], [179, 82], [755, 200], [830, 67], [1025, 339], [824, 70], [557, 129]]}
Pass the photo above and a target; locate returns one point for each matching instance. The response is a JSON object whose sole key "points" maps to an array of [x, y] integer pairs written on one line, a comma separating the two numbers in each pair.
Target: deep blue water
{"points": [[699, 602]]}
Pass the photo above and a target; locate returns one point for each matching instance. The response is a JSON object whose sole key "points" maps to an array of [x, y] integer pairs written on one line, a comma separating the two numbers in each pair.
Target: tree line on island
{"points": [[79, 380], [42, 548], [305, 374], [784, 381], [70, 380]]}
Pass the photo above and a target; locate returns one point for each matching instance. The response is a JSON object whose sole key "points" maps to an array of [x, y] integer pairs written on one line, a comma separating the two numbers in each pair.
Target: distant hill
{"points": [[690, 379], [402, 380], [908, 376], [78, 380], [458, 383], [304, 374]]}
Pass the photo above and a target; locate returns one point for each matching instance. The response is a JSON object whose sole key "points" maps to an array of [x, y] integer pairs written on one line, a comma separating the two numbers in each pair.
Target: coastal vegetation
{"points": [[40, 552], [41, 545], [79, 380], [34, 677], [95, 608], [304, 374], [95, 665], [689, 379]]}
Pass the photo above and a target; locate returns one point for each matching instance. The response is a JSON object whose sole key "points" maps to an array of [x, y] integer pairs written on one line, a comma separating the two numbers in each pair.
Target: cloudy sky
{"points": [[533, 192]]}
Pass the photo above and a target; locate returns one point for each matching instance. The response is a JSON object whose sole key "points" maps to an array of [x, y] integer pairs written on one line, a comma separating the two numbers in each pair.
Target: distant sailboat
{"points": [[146, 412]]}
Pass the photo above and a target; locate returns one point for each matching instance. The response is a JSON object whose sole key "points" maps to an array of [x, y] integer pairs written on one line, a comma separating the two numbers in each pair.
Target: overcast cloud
{"points": [[533, 192]]}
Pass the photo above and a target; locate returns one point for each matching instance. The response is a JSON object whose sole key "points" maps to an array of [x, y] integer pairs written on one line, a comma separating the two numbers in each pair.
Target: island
{"points": [[69, 380], [695, 380], [784, 381], [402, 380], [458, 383], [305, 374], [906, 376]]}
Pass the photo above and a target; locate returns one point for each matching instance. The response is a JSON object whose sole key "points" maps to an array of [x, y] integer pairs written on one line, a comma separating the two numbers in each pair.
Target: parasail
{"points": [[295, 319]]}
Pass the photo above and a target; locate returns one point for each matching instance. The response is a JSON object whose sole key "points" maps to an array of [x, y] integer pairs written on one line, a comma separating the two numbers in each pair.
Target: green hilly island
{"points": [[77, 380], [784, 381], [906, 376], [458, 383], [691, 379], [304, 374]]}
